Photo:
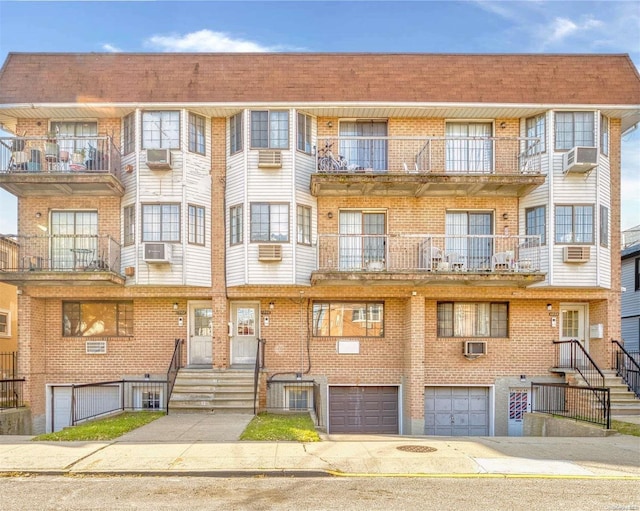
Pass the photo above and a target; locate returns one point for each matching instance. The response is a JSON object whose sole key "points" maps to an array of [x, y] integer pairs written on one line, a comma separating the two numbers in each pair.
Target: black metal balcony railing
{"points": [[62, 154], [66, 253], [428, 252], [586, 404], [450, 155]]}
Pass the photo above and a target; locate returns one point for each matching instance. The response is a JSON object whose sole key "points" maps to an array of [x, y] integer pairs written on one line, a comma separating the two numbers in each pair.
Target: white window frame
{"points": [[7, 317], [532, 229], [290, 389], [129, 225], [474, 318], [604, 135], [196, 234], [236, 137], [304, 131], [571, 140], [303, 223], [161, 129], [197, 133], [572, 237], [273, 128], [536, 127], [163, 236], [236, 224], [274, 214], [129, 133]]}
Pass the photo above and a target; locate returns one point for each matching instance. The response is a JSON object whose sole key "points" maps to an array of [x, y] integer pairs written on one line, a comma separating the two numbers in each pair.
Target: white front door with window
{"points": [[573, 320], [244, 333], [200, 346]]}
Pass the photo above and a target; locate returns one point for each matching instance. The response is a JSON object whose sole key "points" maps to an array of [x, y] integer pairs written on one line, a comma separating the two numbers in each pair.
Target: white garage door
{"points": [[456, 411]]}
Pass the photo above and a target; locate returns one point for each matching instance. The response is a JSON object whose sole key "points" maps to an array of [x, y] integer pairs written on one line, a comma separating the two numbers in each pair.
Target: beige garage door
{"points": [[363, 410]]}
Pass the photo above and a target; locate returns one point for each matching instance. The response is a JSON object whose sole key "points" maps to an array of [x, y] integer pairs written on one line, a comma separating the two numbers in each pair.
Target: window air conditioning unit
{"points": [[580, 160], [269, 253], [157, 252], [576, 254], [95, 347], [159, 159], [268, 159], [474, 349]]}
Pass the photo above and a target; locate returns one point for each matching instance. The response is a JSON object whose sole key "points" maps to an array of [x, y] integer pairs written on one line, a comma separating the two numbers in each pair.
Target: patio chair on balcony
{"points": [[456, 261], [502, 261], [431, 257]]}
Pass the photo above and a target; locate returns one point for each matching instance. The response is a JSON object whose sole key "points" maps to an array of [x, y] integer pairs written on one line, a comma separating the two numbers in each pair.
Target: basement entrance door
{"points": [[200, 333], [244, 333]]}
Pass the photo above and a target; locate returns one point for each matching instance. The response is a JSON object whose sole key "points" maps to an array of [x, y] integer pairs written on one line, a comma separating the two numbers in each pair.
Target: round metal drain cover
{"points": [[416, 448]]}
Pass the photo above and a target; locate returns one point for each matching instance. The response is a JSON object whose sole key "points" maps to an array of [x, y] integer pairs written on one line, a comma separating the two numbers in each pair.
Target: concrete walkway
{"points": [[207, 444]]}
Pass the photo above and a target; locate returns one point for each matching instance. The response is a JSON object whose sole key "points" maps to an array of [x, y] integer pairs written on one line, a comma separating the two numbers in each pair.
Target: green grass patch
{"points": [[103, 429], [296, 427], [625, 428]]}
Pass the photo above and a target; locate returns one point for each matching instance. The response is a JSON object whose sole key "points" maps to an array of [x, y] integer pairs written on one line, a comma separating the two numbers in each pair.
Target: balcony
{"points": [[41, 166], [63, 260], [427, 259], [427, 166]]}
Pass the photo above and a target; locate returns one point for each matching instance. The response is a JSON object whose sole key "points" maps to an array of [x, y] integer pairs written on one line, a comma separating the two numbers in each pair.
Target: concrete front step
{"points": [[226, 391]]}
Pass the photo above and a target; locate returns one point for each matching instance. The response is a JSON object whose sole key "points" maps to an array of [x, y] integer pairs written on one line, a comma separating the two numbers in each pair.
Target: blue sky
{"points": [[314, 26]]}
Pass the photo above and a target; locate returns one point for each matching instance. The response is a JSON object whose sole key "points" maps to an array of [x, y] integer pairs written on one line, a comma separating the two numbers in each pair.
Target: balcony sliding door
{"points": [[369, 152], [362, 239], [469, 148], [74, 239], [469, 237]]}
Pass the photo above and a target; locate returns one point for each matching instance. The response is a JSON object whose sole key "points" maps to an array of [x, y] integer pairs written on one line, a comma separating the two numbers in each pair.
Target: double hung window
{"points": [[161, 130], [269, 129], [574, 224], [304, 225], [197, 133], [535, 222], [235, 225], [196, 225], [574, 129], [235, 133], [536, 128], [304, 133], [161, 222], [269, 222]]}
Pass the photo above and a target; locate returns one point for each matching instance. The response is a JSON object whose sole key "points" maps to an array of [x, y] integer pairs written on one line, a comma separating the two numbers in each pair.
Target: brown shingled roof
{"points": [[309, 77]]}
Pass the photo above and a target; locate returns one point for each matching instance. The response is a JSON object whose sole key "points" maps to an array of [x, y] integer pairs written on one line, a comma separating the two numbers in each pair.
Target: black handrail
{"points": [[174, 367], [9, 364], [256, 371], [580, 360], [585, 404], [627, 367]]}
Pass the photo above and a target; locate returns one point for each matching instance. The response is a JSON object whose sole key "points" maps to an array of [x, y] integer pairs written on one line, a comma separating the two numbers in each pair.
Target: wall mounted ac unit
{"points": [[269, 253], [157, 252], [269, 159], [95, 347], [473, 349], [580, 159], [159, 159], [576, 254]]}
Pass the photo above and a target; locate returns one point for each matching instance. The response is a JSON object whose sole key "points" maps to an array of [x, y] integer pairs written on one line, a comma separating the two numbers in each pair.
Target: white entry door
{"points": [[572, 327], [244, 333], [200, 333]]}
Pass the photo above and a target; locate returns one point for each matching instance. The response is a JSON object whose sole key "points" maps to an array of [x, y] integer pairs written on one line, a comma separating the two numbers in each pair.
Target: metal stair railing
{"points": [[627, 367], [572, 355], [256, 371], [174, 367]]}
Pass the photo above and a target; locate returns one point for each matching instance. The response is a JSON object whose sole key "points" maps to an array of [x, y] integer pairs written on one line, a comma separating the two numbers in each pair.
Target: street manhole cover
{"points": [[416, 448]]}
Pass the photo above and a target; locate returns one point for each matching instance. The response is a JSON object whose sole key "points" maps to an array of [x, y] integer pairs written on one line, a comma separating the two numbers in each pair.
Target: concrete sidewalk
{"points": [[206, 444]]}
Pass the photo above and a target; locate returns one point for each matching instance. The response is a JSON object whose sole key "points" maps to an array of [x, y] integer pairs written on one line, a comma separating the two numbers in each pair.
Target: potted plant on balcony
{"points": [[79, 155]]}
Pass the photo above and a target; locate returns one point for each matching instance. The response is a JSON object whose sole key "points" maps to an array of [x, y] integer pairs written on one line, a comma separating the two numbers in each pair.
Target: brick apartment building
{"points": [[410, 233]]}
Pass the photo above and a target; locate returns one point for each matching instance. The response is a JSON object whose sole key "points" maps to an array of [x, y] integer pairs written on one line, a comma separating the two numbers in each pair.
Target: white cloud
{"points": [[111, 48], [204, 41], [560, 29]]}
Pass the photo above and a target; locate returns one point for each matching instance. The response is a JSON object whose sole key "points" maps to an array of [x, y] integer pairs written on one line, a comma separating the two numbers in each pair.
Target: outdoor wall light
{"points": [[329, 214], [548, 306], [523, 377], [272, 304], [503, 125], [505, 216], [330, 124], [38, 214], [175, 306]]}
